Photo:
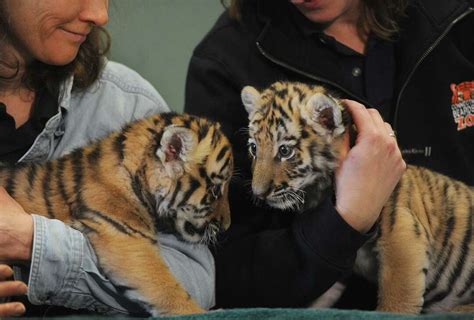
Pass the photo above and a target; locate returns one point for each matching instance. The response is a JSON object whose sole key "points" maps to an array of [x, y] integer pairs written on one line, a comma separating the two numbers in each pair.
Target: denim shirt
{"points": [[64, 269]]}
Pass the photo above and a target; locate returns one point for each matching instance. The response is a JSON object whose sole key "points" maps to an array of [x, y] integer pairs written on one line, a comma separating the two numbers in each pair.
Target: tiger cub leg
{"points": [[403, 263], [134, 261]]}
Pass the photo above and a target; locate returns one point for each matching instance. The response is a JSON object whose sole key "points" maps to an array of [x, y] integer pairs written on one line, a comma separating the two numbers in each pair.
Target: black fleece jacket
{"points": [[280, 259]]}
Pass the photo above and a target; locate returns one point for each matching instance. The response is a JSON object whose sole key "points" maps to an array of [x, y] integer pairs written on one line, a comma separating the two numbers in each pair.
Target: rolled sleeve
{"points": [[64, 271]]}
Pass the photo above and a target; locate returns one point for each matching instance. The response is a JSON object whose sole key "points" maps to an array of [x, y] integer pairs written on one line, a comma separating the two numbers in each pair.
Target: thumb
{"points": [[344, 149]]}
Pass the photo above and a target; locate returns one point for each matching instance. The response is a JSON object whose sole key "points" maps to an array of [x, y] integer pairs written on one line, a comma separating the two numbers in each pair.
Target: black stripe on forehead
{"points": [[186, 122], [282, 93], [165, 118], [300, 93], [281, 125], [282, 112]]}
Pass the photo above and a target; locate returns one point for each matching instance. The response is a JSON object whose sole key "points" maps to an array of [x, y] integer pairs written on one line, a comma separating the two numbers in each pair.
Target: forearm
{"points": [[16, 230]]}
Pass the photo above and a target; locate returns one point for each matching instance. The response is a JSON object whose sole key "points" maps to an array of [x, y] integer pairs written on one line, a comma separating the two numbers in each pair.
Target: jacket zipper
{"points": [[308, 75], [423, 57]]}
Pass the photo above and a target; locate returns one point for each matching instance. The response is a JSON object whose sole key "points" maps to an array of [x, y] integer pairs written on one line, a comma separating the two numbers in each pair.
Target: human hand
{"points": [[10, 288], [16, 230], [370, 170]]}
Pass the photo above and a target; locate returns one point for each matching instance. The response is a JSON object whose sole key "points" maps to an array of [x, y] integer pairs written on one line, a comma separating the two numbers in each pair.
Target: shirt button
{"points": [[356, 71]]}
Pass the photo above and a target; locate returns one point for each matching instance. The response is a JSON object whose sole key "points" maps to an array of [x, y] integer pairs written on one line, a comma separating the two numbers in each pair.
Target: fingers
{"points": [[369, 173], [11, 309], [377, 120], [5, 272], [12, 288], [368, 120], [362, 118]]}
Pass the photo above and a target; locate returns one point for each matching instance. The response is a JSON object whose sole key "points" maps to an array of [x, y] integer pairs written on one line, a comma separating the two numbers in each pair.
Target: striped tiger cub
{"points": [[166, 173], [295, 137]]}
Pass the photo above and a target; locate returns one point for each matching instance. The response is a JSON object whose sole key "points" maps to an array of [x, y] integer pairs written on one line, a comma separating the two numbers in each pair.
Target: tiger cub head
{"points": [[191, 178], [295, 132]]}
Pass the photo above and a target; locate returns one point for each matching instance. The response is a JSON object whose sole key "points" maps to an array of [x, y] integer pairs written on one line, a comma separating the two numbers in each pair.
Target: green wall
{"points": [[156, 38]]}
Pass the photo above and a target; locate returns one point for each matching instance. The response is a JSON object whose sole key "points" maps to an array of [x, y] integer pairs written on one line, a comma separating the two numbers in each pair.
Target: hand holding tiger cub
{"points": [[370, 171], [365, 178], [16, 229]]}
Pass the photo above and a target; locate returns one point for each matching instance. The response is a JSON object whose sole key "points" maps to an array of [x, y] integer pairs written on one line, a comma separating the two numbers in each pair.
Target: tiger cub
{"points": [[165, 173], [423, 254]]}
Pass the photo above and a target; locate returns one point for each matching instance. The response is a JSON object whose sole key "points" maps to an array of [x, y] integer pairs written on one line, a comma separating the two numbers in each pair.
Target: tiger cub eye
{"points": [[285, 152], [252, 149]]}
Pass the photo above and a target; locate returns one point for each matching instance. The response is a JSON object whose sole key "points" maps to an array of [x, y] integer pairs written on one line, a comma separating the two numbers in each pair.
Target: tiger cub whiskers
{"points": [[296, 132]]}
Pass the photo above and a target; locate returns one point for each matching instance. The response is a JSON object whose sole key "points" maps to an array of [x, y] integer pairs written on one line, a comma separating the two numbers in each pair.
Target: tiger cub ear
{"points": [[325, 114], [176, 145], [250, 96]]}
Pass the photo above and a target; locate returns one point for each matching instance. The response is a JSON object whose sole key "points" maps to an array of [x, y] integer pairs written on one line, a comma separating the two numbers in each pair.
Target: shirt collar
{"points": [[65, 89]]}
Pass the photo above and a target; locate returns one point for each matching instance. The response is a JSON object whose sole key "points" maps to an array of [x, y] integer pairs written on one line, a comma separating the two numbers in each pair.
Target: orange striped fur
{"points": [[423, 253], [166, 173]]}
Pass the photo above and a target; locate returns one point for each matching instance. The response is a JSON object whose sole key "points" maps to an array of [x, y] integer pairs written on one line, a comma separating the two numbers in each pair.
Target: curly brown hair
{"points": [[379, 16], [86, 67]]}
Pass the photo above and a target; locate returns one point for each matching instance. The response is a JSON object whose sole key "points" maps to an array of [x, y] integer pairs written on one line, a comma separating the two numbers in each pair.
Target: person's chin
{"points": [[61, 58]]}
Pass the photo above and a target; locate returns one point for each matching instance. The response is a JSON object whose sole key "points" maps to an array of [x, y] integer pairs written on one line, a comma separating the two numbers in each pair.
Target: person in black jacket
{"points": [[415, 66]]}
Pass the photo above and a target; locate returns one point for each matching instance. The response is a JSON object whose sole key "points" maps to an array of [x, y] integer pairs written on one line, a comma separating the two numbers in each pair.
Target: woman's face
{"points": [[327, 11], [52, 31]]}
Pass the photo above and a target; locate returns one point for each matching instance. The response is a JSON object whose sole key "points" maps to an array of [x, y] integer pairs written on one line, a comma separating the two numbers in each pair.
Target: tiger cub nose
{"points": [[261, 192]]}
